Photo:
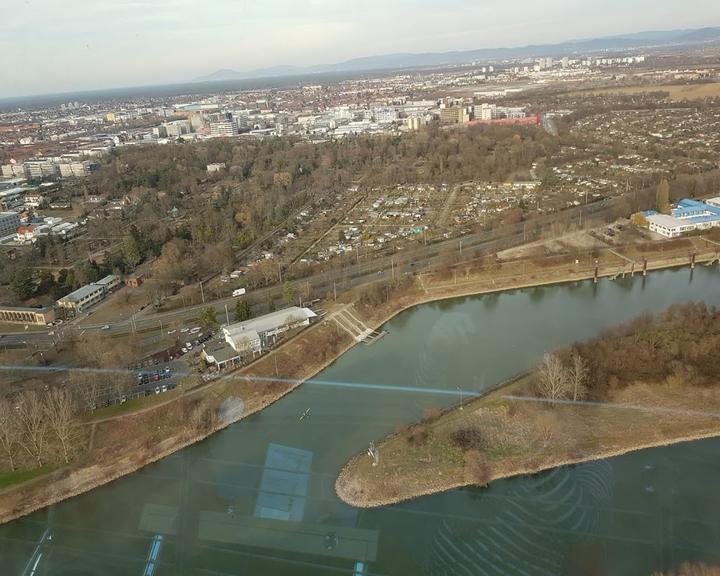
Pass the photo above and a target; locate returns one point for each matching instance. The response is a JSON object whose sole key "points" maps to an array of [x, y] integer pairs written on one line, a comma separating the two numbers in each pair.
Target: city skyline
{"points": [[150, 42]]}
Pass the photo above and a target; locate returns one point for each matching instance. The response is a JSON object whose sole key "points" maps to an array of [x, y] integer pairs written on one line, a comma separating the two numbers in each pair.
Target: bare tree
{"points": [[122, 385], [578, 375], [31, 418], [9, 430], [87, 388], [60, 410], [552, 379]]}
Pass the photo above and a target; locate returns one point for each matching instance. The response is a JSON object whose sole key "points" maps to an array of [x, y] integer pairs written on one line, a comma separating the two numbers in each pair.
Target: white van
{"points": [[238, 292]]}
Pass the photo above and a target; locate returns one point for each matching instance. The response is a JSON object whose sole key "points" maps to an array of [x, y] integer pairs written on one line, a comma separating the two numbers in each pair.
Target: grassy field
{"points": [[678, 92], [11, 478]]}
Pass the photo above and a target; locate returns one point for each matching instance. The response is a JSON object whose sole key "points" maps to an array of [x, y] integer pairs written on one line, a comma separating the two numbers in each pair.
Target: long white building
{"points": [[688, 216]]}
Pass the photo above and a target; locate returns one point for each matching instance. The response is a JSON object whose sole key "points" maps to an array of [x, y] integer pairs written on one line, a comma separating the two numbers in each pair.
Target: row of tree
{"points": [[678, 346], [37, 428]]}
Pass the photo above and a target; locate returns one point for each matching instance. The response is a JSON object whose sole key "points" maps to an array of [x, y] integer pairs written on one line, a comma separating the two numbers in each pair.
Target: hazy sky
{"points": [[62, 45]]}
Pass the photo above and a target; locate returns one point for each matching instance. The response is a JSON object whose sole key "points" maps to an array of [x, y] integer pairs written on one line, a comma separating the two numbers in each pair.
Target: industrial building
{"points": [[688, 216]]}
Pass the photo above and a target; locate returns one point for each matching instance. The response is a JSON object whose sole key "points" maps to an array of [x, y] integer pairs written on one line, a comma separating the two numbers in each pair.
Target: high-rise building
{"points": [[454, 115], [177, 128], [385, 115], [224, 128], [9, 223]]}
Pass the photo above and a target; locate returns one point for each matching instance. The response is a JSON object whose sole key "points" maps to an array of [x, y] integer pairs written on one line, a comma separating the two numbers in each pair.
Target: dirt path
{"points": [[449, 203]]}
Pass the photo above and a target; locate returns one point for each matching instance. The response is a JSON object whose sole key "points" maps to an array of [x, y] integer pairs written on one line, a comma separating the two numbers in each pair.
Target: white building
{"points": [[385, 115], [250, 338], [260, 333], [688, 216], [224, 128], [77, 169], [415, 122], [89, 295]]}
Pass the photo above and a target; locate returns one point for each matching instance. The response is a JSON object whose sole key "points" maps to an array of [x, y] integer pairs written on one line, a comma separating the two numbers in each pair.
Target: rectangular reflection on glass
{"points": [[284, 483]]}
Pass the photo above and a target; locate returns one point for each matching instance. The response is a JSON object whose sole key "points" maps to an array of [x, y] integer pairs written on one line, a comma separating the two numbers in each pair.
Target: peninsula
{"points": [[650, 382]]}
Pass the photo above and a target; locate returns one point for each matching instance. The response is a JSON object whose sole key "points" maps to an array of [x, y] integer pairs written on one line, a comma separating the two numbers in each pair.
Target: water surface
{"points": [[258, 498]]}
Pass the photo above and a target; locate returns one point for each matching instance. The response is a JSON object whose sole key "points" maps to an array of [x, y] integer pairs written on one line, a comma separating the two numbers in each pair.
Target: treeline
{"points": [[679, 346], [275, 165], [26, 283]]}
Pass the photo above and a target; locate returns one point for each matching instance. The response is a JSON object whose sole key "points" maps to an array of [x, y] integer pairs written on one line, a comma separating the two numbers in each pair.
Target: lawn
{"points": [[11, 478]]}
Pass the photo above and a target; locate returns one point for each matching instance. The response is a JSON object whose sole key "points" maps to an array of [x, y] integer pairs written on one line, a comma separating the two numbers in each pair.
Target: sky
{"points": [[49, 46]]}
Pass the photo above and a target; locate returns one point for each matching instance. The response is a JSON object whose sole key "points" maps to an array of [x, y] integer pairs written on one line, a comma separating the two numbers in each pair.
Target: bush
{"points": [[467, 438]]}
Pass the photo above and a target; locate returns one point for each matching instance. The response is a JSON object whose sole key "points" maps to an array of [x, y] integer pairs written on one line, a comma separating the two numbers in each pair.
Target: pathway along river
{"points": [[258, 497]]}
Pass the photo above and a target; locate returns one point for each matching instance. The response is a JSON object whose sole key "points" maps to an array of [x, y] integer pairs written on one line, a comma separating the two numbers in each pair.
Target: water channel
{"points": [[258, 498]]}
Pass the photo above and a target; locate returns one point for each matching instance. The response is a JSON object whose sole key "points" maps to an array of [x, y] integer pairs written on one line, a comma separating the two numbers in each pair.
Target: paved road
{"points": [[152, 327]]}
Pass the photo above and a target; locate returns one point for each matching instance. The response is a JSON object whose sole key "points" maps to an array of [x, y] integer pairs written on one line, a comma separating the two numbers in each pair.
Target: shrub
{"points": [[467, 438]]}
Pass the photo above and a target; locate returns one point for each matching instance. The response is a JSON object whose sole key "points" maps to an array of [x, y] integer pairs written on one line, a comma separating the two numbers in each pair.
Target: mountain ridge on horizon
{"points": [[635, 40]]}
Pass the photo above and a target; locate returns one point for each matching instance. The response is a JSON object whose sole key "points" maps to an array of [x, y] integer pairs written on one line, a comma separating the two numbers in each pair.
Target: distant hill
{"points": [[639, 40]]}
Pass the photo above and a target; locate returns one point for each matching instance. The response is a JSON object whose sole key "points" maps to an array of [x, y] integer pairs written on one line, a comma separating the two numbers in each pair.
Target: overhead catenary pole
{"points": [[202, 292]]}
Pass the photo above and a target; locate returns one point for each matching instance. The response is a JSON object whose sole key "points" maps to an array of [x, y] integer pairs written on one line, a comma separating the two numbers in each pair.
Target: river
{"points": [[258, 498]]}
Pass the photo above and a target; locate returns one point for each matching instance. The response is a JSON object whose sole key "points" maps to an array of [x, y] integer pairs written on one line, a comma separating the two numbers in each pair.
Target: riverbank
{"points": [[150, 434], [650, 382], [125, 443], [422, 459]]}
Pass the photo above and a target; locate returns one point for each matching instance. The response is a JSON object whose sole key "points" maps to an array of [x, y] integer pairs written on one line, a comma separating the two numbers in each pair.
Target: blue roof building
{"points": [[688, 215]]}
